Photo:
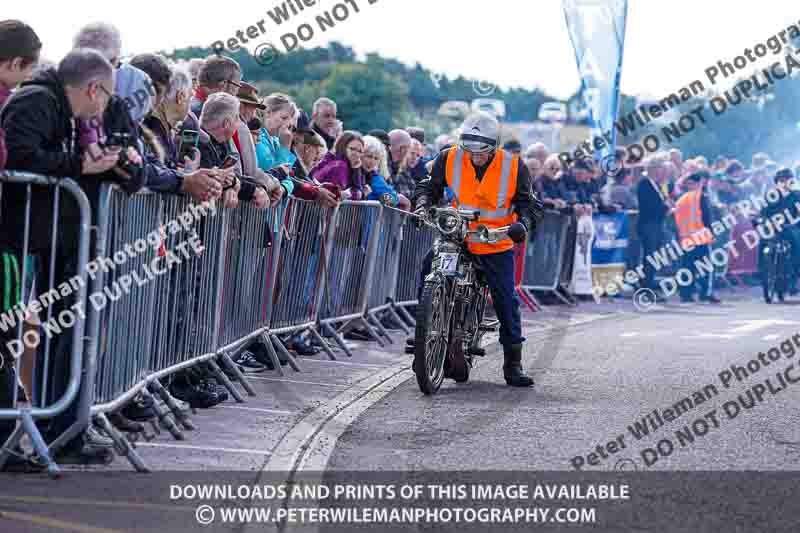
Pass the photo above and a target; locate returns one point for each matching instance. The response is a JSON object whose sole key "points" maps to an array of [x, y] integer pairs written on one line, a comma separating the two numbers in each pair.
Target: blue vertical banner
{"points": [[597, 31]]}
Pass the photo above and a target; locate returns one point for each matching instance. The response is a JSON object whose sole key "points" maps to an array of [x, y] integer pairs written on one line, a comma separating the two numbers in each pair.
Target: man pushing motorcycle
{"points": [[479, 176]]}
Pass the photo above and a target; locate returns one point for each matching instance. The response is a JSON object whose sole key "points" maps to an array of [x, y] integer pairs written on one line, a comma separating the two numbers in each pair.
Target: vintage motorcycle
{"points": [[450, 321], [775, 264]]}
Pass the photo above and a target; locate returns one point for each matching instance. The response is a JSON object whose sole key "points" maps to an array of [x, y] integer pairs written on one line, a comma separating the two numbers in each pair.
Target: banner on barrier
{"points": [[610, 248], [582, 267], [746, 260]]}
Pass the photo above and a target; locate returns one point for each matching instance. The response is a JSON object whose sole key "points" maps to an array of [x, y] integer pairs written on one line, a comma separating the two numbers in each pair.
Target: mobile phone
{"points": [[187, 143], [230, 161]]}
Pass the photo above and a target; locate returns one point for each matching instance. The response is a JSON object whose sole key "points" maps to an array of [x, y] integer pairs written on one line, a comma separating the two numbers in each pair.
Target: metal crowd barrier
{"points": [[417, 241], [177, 284], [298, 279], [60, 284], [158, 310], [349, 269], [384, 281], [546, 255]]}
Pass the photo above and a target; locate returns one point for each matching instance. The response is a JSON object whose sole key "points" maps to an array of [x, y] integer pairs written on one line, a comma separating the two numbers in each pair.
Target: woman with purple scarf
{"points": [[342, 167]]}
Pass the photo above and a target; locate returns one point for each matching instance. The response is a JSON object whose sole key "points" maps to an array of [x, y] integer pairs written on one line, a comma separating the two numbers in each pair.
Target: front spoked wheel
{"points": [[431, 336]]}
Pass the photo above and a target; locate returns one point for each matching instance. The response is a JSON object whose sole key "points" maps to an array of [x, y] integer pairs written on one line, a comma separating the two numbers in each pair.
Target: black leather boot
{"points": [[512, 367]]}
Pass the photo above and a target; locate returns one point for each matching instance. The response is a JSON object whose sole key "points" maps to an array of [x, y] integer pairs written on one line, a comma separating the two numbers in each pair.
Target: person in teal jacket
{"points": [[274, 146]]}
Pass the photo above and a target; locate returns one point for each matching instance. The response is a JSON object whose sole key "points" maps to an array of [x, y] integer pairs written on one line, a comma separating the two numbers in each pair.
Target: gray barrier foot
{"points": [[322, 343], [381, 330], [339, 339], [164, 418], [565, 296], [273, 355], [10, 444], [406, 316], [179, 415], [73, 431], [39, 446], [397, 319], [224, 381], [228, 362], [533, 298], [281, 348], [121, 444], [371, 332]]}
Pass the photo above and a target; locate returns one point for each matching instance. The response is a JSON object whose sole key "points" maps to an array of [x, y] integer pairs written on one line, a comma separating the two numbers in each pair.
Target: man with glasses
{"points": [[218, 74], [40, 121], [494, 181]]}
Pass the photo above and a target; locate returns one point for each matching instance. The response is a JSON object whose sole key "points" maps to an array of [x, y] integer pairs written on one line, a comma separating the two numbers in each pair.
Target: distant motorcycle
{"points": [[450, 313], [775, 264]]}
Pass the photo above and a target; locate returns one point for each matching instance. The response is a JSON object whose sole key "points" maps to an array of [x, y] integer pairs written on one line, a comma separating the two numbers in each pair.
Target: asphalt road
{"points": [[592, 382]]}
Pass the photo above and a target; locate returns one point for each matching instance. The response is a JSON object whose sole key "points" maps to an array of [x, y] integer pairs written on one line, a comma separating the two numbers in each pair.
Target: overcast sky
{"points": [[509, 42]]}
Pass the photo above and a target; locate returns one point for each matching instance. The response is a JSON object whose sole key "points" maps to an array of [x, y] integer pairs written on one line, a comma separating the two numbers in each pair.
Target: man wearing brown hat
{"points": [[248, 98]]}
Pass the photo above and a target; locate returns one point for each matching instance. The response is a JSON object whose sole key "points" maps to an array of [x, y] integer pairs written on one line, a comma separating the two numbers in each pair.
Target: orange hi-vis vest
{"points": [[491, 196], [689, 219]]}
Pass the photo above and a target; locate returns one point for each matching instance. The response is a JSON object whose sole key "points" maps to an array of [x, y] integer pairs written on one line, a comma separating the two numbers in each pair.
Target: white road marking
{"points": [[749, 326], [256, 409], [770, 337], [202, 448], [338, 362], [710, 336], [629, 334], [334, 385]]}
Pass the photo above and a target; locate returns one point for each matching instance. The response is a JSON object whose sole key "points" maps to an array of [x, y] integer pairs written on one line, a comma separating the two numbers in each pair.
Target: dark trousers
{"points": [[499, 272], [701, 280], [651, 237]]}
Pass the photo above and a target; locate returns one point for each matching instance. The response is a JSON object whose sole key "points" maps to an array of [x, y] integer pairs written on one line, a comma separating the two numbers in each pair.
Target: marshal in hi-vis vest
{"points": [[689, 219], [491, 196]]}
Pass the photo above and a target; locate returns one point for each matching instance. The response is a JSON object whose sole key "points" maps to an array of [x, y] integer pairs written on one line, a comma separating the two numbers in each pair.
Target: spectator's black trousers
{"points": [[701, 280], [499, 271], [651, 236]]}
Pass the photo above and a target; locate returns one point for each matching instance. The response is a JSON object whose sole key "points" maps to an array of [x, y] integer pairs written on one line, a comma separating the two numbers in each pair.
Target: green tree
{"points": [[367, 98]]}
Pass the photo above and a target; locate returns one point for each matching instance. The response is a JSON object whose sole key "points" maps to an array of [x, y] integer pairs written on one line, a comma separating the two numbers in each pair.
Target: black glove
{"points": [[517, 232]]}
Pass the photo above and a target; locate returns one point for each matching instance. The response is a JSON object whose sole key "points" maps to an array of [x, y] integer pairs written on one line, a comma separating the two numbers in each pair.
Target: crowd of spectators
{"points": [[583, 186], [193, 128]]}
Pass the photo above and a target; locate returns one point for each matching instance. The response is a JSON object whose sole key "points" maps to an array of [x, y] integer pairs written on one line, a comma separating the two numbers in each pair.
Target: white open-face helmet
{"points": [[479, 133]]}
